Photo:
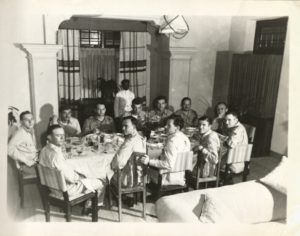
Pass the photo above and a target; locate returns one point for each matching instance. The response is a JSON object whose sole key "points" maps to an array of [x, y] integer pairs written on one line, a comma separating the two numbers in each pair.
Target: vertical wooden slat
{"points": [[68, 63]]}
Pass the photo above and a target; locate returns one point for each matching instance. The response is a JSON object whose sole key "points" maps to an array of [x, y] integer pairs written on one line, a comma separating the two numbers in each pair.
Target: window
{"points": [[99, 39], [270, 36]]}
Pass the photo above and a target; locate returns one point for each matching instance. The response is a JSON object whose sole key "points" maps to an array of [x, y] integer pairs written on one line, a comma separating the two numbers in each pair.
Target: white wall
{"points": [[208, 34]]}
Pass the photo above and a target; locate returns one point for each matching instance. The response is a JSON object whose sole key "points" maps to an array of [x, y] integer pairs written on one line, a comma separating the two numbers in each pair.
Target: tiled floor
{"points": [[33, 210]]}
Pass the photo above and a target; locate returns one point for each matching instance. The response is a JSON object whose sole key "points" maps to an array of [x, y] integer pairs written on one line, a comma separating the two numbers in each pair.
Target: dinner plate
{"points": [[160, 129], [191, 128], [76, 143]]}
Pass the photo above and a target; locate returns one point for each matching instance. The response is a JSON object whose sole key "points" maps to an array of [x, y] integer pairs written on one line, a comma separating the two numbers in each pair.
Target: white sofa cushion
{"points": [[215, 211], [250, 202], [253, 202], [277, 178]]}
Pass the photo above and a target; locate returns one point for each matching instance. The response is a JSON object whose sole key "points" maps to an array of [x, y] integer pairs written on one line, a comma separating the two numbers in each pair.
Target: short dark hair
{"points": [[125, 81], [134, 121], [64, 108], [185, 99], [220, 103], [100, 102], [207, 118], [232, 112], [177, 120], [137, 101], [24, 113], [155, 101], [53, 127]]}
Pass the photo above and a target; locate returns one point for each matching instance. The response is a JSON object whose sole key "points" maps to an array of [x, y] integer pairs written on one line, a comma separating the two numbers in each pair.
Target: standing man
{"points": [[122, 104], [99, 122], [160, 112], [175, 143], [67, 122], [123, 100], [22, 146], [52, 156], [188, 115]]}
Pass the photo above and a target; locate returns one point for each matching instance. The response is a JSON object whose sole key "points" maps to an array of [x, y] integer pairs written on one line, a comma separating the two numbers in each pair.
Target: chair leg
{"points": [[120, 206], [109, 196], [95, 208], [47, 211], [197, 178], [217, 183], [68, 212], [144, 203], [21, 192]]}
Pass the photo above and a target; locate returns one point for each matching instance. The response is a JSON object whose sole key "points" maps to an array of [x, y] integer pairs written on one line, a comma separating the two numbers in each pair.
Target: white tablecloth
{"points": [[92, 164]]}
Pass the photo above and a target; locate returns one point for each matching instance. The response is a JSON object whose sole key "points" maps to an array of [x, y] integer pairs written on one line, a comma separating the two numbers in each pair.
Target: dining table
{"points": [[92, 154]]}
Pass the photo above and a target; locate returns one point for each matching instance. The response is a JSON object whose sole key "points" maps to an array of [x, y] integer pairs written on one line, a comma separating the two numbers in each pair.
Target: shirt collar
{"points": [[27, 130], [54, 147], [205, 134]]}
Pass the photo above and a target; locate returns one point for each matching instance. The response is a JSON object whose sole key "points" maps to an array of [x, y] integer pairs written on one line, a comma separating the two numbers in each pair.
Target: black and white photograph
{"points": [[150, 118]]}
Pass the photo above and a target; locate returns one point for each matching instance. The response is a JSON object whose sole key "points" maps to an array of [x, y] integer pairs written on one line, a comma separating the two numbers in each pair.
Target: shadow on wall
{"points": [[210, 112], [46, 112], [285, 126]]}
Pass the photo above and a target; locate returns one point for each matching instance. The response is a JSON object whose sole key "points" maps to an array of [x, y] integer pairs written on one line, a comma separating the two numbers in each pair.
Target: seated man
{"points": [[188, 115], [52, 156], [137, 111], [218, 123], [134, 143], [160, 112], [141, 116], [176, 142], [22, 146], [236, 134], [208, 149], [67, 122], [99, 122]]}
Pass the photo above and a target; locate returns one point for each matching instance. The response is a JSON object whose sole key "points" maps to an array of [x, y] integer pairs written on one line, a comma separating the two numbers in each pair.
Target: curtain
{"points": [[133, 61], [68, 65], [254, 83], [96, 63]]}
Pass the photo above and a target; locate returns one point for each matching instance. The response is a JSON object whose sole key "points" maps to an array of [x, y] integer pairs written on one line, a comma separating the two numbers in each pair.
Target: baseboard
{"points": [[275, 154]]}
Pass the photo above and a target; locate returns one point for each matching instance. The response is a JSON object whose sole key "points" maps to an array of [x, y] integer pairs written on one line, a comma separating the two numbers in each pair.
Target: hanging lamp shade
{"points": [[176, 26]]}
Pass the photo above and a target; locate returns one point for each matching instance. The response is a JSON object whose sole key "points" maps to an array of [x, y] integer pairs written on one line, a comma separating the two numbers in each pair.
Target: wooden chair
{"points": [[24, 179], [250, 132], [53, 179], [208, 179], [117, 190], [183, 163], [241, 153]]}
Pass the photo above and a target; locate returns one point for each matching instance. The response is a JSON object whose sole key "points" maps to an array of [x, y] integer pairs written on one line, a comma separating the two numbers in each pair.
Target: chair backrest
{"points": [[132, 171], [250, 132], [184, 161], [240, 153], [52, 178]]}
